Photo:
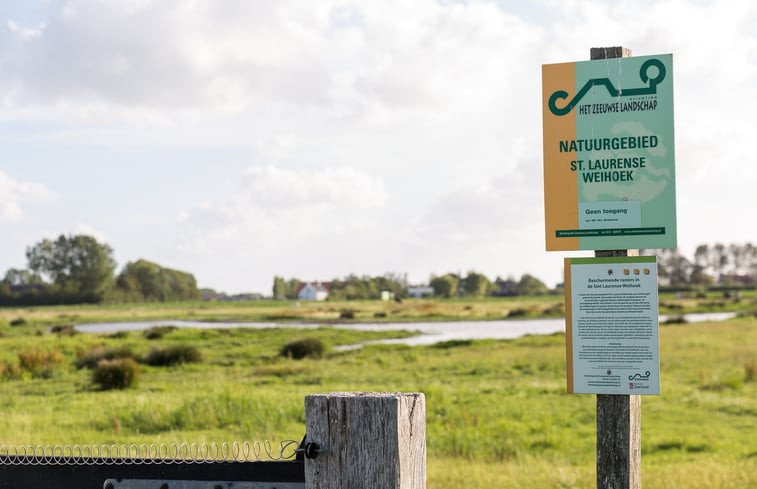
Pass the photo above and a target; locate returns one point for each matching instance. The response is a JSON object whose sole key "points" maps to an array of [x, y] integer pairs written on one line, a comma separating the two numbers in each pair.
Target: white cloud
{"points": [[404, 135], [276, 208], [14, 194], [24, 34], [87, 230], [166, 55], [485, 210]]}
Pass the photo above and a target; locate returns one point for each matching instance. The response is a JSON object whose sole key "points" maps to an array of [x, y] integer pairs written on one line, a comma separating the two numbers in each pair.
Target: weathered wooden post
{"points": [[618, 416], [365, 440]]}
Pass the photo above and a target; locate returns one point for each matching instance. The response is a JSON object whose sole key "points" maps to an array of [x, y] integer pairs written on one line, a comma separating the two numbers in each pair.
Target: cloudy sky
{"points": [[242, 139]]}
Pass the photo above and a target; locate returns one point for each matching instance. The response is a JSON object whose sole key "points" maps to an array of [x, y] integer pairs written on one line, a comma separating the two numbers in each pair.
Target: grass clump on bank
{"points": [[158, 332], [173, 355], [303, 348], [119, 373], [90, 358]]}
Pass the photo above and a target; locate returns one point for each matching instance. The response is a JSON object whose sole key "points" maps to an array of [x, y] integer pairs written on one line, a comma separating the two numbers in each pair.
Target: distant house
{"points": [[419, 291], [313, 291]]}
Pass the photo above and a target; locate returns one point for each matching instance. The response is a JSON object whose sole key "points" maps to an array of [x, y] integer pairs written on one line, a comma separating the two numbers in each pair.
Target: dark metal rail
{"points": [[16, 473]]}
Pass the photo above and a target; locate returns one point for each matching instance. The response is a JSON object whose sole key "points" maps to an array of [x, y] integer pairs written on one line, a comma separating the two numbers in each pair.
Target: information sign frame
{"points": [[612, 325]]}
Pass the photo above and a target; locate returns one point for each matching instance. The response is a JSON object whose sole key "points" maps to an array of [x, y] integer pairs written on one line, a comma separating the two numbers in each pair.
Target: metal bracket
{"points": [[180, 484]]}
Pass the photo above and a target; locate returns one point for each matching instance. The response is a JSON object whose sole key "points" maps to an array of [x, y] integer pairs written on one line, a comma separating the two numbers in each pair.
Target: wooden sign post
{"points": [[618, 416], [609, 185]]}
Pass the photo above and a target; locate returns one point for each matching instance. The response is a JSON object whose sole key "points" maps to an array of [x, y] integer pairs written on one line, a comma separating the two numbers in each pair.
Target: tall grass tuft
{"points": [[64, 330], [9, 371], [119, 373], [91, 358], [750, 369], [39, 363], [157, 332], [306, 347], [173, 355]]}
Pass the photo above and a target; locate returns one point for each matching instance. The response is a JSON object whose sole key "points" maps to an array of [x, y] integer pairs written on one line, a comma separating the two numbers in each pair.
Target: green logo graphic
{"points": [[614, 92], [640, 377]]}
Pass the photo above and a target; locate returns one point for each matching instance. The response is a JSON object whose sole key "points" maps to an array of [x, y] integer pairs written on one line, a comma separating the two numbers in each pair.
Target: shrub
{"points": [[306, 347], [64, 330], [18, 322], [751, 371], [515, 313], [173, 355], [39, 363], [91, 358], [444, 345], [9, 371], [157, 332], [120, 373]]}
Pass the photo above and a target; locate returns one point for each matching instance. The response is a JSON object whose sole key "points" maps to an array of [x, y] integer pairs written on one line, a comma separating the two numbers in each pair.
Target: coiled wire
{"points": [[145, 454]]}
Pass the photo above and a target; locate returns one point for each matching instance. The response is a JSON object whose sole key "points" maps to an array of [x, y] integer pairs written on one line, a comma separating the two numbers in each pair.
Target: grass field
{"points": [[497, 411]]}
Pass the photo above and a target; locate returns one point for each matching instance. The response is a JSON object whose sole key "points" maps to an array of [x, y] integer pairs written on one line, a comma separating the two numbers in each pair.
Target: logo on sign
{"points": [[651, 89], [640, 377]]}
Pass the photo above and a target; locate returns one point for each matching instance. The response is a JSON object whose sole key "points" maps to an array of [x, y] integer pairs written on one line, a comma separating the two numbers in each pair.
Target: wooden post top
{"points": [[611, 52]]}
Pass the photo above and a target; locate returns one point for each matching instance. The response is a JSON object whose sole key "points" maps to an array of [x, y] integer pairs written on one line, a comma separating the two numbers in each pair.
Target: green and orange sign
{"points": [[609, 154]]}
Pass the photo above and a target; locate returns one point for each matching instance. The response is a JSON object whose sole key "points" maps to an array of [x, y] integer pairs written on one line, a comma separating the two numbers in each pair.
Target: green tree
{"points": [[15, 277], [394, 283], [79, 266], [354, 287], [280, 288], [676, 268], [22, 287], [293, 286], [700, 278], [147, 281], [476, 285], [530, 285], [285, 289], [446, 285]]}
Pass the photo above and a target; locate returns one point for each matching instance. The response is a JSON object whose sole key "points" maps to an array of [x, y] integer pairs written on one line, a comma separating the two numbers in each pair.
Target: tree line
{"points": [[476, 284], [473, 284], [77, 269], [349, 288], [732, 265]]}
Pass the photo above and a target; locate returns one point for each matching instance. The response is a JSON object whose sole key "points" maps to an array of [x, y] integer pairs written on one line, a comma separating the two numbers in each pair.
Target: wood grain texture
{"points": [[618, 417], [370, 440], [618, 442], [611, 52]]}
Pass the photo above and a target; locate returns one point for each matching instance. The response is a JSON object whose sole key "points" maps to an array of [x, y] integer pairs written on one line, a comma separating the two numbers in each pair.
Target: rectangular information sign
{"points": [[609, 166], [611, 325]]}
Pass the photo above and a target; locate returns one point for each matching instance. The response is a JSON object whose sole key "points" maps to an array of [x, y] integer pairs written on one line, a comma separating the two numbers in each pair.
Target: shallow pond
{"points": [[428, 332]]}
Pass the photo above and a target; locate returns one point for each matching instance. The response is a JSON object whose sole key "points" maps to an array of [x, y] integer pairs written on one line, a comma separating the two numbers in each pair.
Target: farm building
{"points": [[313, 291]]}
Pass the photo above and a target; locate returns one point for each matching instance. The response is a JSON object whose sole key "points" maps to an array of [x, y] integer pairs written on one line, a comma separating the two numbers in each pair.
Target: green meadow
{"points": [[497, 411]]}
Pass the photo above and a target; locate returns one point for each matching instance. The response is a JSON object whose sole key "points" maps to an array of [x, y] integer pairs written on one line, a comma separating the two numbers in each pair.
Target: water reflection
{"points": [[428, 332]]}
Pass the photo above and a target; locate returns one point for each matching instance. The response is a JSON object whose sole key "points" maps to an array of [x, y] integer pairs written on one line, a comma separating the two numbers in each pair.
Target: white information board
{"points": [[612, 325]]}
